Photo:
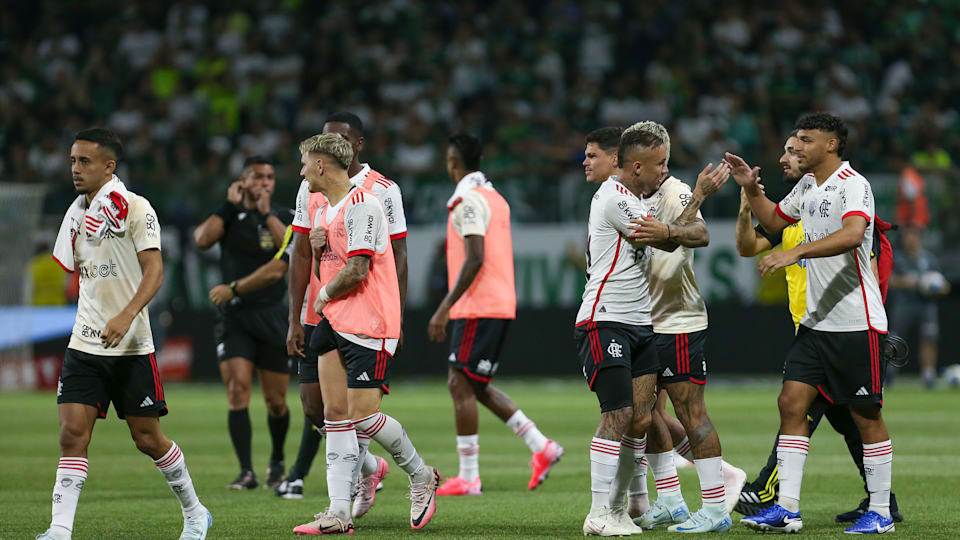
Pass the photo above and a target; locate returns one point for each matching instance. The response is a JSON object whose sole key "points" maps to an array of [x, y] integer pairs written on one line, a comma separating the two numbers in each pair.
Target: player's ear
{"points": [[832, 143]]}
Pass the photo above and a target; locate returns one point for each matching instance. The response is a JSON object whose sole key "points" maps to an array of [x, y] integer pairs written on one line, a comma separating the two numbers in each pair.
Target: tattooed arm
{"points": [[347, 279]]}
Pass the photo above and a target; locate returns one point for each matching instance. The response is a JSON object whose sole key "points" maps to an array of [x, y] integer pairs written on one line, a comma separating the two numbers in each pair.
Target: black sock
{"points": [[241, 434], [309, 445], [278, 435]]}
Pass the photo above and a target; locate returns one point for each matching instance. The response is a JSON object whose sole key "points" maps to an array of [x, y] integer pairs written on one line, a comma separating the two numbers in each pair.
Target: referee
{"points": [[251, 326]]}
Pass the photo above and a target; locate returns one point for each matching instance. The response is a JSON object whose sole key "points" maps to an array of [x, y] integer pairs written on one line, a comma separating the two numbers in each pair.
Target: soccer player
{"points": [[111, 237], [613, 331], [670, 216], [302, 279], [751, 241], [250, 327], [836, 352], [357, 336], [481, 301]]}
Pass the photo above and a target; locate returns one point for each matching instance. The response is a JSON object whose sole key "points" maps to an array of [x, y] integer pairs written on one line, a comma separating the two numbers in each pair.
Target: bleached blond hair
{"points": [[652, 128], [332, 144]]}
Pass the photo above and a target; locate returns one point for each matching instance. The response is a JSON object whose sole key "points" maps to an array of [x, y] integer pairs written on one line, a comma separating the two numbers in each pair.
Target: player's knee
{"points": [[336, 412], [147, 442], [276, 404], [640, 423], [238, 393], [458, 385], [73, 440], [791, 408]]}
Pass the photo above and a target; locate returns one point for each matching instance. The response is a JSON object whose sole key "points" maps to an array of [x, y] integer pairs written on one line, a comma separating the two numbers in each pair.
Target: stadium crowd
{"points": [[195, 87]]}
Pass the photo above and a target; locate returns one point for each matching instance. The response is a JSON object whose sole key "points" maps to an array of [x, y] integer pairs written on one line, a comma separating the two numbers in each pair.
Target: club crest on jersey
{"points": [[824, 208], [615, 350]]}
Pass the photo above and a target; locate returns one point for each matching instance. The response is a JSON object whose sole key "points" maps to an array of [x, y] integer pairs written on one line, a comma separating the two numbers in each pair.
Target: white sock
{"points": [[368, 462], [878, 464], [390, 435], [711, 483], [527, 430], [342, 456], [791, 454], [664, 473], [637, 492], [683, 449], [604, 456], [468, 448], [174, 469], [626, 465], [363, 445], [71, 475]]}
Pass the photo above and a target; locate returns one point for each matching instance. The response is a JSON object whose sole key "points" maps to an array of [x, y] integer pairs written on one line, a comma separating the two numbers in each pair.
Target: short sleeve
{"points": [[285, 215], [774, 239], [392, 202], [364, 222], [301, 214], [789, 207], [472, 215], [620, 210], [676, 202], [143, 226], [856, 199]]}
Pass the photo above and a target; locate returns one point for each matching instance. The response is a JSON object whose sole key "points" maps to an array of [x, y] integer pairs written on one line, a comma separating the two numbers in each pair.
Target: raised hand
{"points": [[743, 175], [235, 193], [710, 180]]}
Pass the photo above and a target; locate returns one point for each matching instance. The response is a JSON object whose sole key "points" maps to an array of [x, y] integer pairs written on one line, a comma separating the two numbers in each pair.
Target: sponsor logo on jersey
{"points": [[95, 270]]}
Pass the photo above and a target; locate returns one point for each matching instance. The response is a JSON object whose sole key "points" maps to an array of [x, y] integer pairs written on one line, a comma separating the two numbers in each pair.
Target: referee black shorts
{"points": [[259, 335]]}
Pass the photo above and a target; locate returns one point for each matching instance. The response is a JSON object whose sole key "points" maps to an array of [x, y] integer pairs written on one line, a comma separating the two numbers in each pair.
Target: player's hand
{"points": [[235, 193], [115, 329], [318, 239], [649, 230], [318, 305], [710, 180], [743, 175], [221, 294], [263, 202], [295, 340], [776, 260], [437, 329]]}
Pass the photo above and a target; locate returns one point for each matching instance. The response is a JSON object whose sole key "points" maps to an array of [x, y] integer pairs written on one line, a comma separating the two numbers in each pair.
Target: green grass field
{"points": [[125, 497]]}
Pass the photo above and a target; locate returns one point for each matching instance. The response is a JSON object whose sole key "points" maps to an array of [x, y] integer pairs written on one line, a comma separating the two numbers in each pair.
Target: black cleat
{"points": [[245, 480], [854, 515], [274, 474], [752, 501]]}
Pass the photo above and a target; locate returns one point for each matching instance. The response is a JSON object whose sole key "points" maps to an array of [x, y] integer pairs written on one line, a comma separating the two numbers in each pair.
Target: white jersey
{"points": [[677, 304], [386, 191], [617, 288], [110, 275], [842, 292]]}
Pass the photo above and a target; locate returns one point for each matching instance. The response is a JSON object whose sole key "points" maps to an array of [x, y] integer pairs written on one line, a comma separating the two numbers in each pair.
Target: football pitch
{"points": [[125, 497]]}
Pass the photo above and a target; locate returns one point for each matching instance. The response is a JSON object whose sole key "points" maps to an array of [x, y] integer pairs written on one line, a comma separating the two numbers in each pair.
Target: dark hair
{"points": [[641, 138], [607, 138], [105, 138], [826, 122], [256, 160], [347, 118], [469, 148], [793, 133]]}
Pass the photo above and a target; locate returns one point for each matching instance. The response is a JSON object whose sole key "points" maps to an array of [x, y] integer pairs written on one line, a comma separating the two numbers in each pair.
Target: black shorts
{"points": [[605, 344], [366, 368], [682, 358], [475, 346], [132, 383], [845, 367], [259, 335]]}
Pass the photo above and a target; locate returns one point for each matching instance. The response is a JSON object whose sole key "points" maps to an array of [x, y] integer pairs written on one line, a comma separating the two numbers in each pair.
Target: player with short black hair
{"points": [[836, 352], [251, 324], [600, 154], [111, 237], [482, 302]]}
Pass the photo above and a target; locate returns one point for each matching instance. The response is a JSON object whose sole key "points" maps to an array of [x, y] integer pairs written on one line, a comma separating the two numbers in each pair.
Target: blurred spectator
{"points": [[912, 209]]}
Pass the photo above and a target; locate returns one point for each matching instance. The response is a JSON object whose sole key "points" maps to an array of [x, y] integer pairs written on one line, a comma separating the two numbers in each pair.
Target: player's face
{"points": [[260, 178], [598, 164], [788, 161], [356, 141], [453, 163], [312, 170], [90, 166], [813, 147], [647, 167]]}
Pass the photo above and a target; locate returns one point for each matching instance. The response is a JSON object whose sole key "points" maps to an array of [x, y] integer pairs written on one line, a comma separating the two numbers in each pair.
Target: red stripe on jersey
{"points": [[356, 252], [299, 229], [65, 269], [784, 216], [398, 236], [856, 213], [616, 256]]}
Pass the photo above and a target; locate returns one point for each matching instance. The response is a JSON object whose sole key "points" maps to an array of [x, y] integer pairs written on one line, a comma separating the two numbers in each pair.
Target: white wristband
{"points": [[322, 295]]}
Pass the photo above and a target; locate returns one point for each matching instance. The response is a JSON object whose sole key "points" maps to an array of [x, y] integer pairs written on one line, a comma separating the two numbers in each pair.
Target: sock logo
{"points": [[66, 482], [57, 498]]}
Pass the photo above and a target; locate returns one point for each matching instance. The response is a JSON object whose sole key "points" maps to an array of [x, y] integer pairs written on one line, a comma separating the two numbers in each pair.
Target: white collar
{"points": [[468, 182], [358, 178]]}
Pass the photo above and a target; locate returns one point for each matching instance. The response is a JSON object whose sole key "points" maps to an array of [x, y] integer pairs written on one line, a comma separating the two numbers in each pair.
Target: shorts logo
{"points": [[704, 364], [486, 367], [862, 392], [364, 377], [59, 387], [667, 373], [221, 349], [452, 357], [146, 402], [615, 349]]}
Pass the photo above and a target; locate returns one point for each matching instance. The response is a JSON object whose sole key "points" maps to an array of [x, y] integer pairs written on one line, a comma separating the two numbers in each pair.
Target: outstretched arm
{"points": [[762, 207], [849, 237], [749, 241]]}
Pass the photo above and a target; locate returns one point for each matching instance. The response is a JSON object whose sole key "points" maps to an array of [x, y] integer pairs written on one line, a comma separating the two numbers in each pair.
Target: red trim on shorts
{"points": [[784, 216], [616, 256], [65, 269], [157, 385], [299, 229], [398, 236], [474, 376], [698, 381], [356, 252], [385, 389], [863, 290], [824, 394]]}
